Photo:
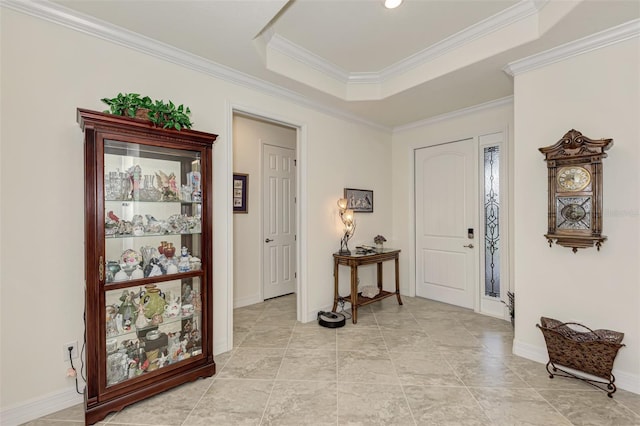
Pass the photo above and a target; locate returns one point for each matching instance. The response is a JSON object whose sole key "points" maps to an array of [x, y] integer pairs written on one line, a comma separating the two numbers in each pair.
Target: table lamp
{"points": [[346, 215]]}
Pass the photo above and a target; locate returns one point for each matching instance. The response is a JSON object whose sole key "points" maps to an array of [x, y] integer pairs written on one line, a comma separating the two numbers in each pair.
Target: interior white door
{"points": [[446, 216], [279, 188]]}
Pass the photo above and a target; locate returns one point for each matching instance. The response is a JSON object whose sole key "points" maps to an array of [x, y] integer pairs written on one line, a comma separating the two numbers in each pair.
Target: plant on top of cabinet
{"points": [[168, 116]]}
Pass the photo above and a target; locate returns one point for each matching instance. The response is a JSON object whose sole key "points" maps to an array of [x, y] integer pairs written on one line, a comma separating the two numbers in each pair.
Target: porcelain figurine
{"points": [[128, 309], [137, 273], [154, 226], [172, 309], [141, 320], [120, 276], [167, 184], [183, 264], [138, 225], [187, 296], [195, 263]]}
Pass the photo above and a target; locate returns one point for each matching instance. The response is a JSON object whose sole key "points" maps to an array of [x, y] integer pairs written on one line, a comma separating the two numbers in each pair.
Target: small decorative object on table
{"points": [[592, 352], [379, 240]]}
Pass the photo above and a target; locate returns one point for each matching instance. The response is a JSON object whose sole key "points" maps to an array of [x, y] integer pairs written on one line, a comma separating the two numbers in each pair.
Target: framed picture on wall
{"points": [[240, 193], [359, 200]]}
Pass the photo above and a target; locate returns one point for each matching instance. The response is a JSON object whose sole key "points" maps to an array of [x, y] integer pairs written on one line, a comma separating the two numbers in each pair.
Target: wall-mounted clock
{"points": [[574, 165]]}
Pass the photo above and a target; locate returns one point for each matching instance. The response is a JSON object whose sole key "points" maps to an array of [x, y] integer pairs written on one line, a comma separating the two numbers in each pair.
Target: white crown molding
{"points": [[506, 17], [586, 44], [86, 24], [308, 58], [508, 100]]}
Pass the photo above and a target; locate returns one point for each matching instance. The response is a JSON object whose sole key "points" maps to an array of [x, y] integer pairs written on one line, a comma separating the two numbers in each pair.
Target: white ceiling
{"points": [[388, 67]]}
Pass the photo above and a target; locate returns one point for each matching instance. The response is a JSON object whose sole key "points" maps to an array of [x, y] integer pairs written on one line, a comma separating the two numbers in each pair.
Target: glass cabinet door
{"points": [[152, 199]]}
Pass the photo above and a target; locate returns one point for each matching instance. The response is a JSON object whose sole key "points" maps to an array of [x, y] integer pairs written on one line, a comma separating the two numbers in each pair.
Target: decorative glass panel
{"points": [[573, 212], [491, 192]]}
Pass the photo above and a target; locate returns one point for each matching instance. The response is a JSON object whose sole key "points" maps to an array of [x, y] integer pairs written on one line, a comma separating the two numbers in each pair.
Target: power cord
{"points": [[84, 343], [341, 303], [72, 371]]}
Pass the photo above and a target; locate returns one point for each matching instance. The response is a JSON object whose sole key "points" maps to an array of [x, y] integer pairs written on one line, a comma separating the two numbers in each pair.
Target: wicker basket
{"points": [[591, 352]]}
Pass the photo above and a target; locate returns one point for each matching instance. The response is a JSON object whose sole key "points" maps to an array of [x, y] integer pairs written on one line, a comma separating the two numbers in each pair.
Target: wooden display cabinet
{"points": [[148, 261]]}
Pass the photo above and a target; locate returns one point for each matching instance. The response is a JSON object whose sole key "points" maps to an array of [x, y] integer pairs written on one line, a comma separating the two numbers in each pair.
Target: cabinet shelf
{"points": [[181, 202], [361, 300], [117, 285], [136, 332], [151, 235]]}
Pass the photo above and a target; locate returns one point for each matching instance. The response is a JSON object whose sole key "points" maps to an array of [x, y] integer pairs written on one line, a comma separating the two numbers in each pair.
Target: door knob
{"points": [[469, 246], [268, 240]]}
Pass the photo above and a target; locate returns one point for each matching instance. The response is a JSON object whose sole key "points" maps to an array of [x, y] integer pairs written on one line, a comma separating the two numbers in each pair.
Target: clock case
{"points": [[576, 150]]}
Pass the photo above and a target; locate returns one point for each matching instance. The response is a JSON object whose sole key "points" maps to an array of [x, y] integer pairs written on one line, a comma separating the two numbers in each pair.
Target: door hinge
{"points": [[295, 163], [295, 237], [295, 275]]}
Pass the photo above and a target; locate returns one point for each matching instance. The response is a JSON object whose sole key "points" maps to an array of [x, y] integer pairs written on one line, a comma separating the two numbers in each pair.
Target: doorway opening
{"points": [[266, 260]]}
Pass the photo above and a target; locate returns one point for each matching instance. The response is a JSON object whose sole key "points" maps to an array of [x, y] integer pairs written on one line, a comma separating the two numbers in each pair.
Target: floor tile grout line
{"points": [[393, 365], [273, 385], [553, 407], [199, 400], [335, 334]]}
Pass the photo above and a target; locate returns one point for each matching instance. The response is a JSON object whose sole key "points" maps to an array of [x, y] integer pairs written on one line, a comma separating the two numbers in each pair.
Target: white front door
{"points": [[279, 188], [446, 216]]}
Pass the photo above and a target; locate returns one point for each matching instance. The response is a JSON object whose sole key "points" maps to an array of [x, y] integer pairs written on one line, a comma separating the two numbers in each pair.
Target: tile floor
{"points": [[424, 363]]}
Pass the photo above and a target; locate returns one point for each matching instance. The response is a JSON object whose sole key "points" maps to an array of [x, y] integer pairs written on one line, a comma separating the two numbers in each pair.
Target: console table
{"points": [[354, 260]]}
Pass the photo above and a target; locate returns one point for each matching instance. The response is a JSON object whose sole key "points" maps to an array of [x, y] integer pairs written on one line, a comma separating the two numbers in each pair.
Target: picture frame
{"points": [[359, 200], [240, 193]]}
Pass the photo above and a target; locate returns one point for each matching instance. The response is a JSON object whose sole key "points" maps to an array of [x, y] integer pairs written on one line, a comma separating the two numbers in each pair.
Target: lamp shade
{"points": [[342, 203], [347, 217]]}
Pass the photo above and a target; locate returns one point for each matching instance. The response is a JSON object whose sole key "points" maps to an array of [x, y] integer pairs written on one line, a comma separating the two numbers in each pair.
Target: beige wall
{"points": [[248, 136], [597, 93], [45, 77]]}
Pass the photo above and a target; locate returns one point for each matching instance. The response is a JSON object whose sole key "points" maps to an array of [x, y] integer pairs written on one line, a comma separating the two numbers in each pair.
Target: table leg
{"points": [[398, 281], [354, 293], [335, 286], [379, 274]]}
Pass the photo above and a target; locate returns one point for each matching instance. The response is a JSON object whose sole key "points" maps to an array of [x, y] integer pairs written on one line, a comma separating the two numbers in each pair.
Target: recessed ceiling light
{"points": [[392, 4]]}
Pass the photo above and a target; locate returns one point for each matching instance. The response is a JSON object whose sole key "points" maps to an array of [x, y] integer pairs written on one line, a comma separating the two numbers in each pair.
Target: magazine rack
{"points": [[591, 352]]}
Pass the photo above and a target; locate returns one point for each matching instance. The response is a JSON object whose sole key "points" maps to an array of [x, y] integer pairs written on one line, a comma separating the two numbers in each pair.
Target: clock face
{"points": [[573, 213], [573, 178]]}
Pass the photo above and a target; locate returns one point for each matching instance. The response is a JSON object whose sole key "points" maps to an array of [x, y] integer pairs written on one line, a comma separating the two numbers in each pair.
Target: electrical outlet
{"points": [[74, 350]]}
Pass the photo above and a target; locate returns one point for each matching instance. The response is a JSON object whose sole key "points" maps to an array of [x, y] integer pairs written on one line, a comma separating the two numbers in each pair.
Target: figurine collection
{"points": [[151, 262], [133, 185], [154, 326], [136, 343]]}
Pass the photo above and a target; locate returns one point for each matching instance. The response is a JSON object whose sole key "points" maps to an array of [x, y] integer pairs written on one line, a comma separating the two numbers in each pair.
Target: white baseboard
{"points": [[627, 381], [39, 407], [220, 347], [246, 301]]}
